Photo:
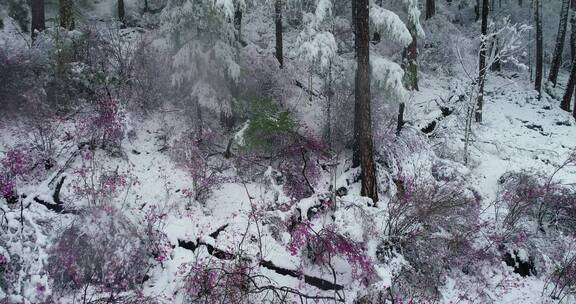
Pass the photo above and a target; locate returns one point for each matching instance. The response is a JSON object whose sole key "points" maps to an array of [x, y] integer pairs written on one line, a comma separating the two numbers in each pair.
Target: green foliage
{"points": [[267, 124], [18, 10]]}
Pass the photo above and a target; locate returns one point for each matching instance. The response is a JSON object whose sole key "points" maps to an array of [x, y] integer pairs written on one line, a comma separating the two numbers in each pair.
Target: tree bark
{"points": [[539, 47], [482, 62], [411, 64], [279, 33], [238, 24], [363, 115], [573, 29], [38, 17], [559, 48], [565, 104], [121, 14], [400, 121], [66, 14], [430, 8]]}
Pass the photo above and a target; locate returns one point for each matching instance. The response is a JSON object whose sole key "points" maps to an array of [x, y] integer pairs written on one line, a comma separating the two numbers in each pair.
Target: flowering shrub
{"points": [[322, 246], [534, 197], [300, 167], [98, 185], [16, 164], [433, 225], [563, 278], [109, 119], [101, 249], [195, 157], [217, 282]]}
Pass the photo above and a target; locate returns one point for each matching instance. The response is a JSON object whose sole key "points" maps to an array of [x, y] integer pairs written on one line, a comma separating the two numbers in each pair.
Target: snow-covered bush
{"points": [[215, 281], [323, 246], [533, 202], [16, 165], [433, 226], [195, 156], [102, 251]]}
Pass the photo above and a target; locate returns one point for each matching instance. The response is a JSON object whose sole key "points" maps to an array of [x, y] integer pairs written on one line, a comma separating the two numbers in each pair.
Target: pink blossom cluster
{"points": [[109, 119], [327, 243], [217, 282], [300, 166], [17, 163], [195, 158]]}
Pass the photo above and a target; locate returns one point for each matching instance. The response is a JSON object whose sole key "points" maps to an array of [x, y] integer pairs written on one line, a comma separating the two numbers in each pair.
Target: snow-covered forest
{"points": [[287, 151]]}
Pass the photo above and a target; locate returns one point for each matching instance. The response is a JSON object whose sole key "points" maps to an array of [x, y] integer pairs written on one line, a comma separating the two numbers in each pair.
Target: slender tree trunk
{"points": [[497, 64], [363, 115], [411, 62], [279, 33], [67, 14], [539, 46], [355, 147], [38, 18], [400, 122], [520, 3], [482, 62], [238, 15], [477, 10], [573, 29], [565, 104], [560, 38], [430, 8], [121, 14], [329, 97]]}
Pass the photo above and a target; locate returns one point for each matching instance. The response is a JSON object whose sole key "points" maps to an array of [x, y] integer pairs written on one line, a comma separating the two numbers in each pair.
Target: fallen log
{"points": [[223, 255]]}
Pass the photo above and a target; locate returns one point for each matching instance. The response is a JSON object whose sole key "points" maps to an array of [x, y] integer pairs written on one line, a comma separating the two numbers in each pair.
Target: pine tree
{"points": [[38, 17], [573, 29], [66, 10], [279, 32], [430, 8], [560, 38], [363, 115], [411, 52], [203, 37], [565, 104], [539, 47], [121, 13], [482, 62]]}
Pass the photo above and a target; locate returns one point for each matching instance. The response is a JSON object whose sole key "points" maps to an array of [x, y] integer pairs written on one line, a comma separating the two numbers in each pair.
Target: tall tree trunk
{"points": [[520, 3], [67, 14], [238, 24], [279, 32], [411, 62], [38, 18], [477, 10], [539, 47], [573, 29], [363, 115], [121, 14], [565, 104], [430, 8], [560, 38], [482, 62], [400, 121]]}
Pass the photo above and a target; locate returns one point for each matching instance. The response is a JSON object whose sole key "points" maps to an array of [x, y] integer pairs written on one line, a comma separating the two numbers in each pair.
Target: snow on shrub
{"points": [[96, 184], [16, 165], [300, 166], [214, 281], [102, 249], [194, 156], [322, 246], [532, 198], [434, 226]]}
